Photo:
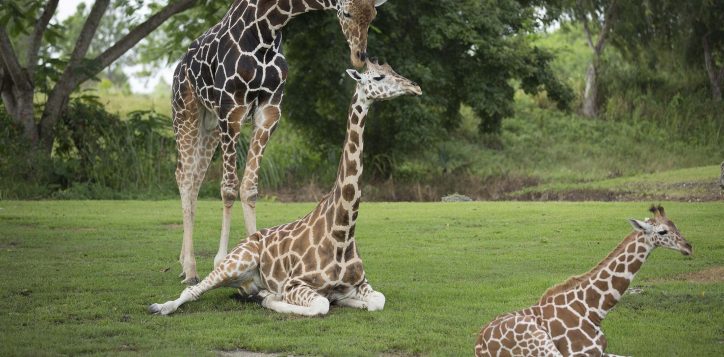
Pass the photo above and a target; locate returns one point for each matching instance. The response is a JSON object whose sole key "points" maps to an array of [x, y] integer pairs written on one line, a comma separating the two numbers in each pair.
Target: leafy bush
{"points": [[95, 155]]}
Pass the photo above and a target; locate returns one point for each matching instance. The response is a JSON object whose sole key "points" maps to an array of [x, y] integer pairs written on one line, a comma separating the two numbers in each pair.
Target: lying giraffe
{"points": [[567, 319], [301, 267], [234, 71]]}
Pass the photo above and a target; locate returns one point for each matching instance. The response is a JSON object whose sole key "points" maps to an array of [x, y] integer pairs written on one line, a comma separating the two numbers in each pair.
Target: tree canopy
{"points": [[31, 64]]}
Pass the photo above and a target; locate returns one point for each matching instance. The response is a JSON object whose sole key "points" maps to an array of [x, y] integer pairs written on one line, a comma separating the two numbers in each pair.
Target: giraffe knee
{"points": [[250, 195], [228, 195]]}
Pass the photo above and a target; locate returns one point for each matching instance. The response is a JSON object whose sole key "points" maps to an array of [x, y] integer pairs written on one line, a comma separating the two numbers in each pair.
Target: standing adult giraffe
{"points": [[236, 70]]}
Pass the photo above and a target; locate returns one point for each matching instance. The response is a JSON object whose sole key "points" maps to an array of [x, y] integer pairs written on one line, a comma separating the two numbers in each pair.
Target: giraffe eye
{"points": [[347, 14], [379, 78], [663, 232]]}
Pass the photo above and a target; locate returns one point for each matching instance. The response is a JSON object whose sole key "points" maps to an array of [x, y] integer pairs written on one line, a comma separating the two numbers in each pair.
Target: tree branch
{"points": [[583, 17], [6, 93], [7, 54], [138, 33], [607, 20], [37, 37], [86, 34], [72, 76]]}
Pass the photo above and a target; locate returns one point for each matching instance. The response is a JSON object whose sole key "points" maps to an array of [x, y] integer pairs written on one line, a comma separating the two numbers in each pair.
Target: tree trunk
{"points": [[53, 110], [24, 114], [590, 95], [715, 74]]}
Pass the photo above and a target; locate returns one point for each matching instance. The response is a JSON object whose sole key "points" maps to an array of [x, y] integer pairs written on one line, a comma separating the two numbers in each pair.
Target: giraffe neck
{"points": [[270, 16], [280, 12], [347, 192], [602, 287]]}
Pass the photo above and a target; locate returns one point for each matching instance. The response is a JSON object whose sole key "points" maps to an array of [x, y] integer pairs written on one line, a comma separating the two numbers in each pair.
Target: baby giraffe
{"points": [[567, 319], [301, 267]]}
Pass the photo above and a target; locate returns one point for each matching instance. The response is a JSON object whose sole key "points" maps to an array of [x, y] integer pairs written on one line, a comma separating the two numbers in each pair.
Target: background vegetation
{"points": [[504, 81]]}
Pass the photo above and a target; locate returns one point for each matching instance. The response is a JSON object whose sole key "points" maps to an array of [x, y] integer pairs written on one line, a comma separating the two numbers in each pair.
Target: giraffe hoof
{"points": [[191, 281], [154, 308]]}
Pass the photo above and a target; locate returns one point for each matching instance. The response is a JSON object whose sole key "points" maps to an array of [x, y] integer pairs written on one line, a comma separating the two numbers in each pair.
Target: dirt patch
{"points": [[572, 195], [245, 353], [81, 230], [173, 226], [708, 275], [695, 192], [9, 245], [504, 187]]}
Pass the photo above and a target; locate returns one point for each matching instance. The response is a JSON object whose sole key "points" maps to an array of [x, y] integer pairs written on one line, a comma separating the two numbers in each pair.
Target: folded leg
{"points": [[515, 335], [299, 299], [364, 297]]}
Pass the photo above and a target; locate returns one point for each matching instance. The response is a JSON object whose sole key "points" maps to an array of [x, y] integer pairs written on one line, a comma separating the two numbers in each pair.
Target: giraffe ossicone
{"points": [[303, 266], [234, 71], [567, 319]]}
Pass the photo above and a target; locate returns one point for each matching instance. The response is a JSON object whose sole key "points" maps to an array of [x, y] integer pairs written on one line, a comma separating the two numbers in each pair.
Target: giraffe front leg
{"points": [[239, 268], [265, 121], [364, 297], [230, 127], [298, 298]]}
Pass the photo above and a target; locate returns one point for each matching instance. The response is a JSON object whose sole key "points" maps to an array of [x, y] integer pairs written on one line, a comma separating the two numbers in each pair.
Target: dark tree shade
{"points": [[459, 51]]}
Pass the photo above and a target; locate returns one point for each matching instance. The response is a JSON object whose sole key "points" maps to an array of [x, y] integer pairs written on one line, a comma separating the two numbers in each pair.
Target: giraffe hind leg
{"points": [[185, 126], [196, 142], [298, 299]]}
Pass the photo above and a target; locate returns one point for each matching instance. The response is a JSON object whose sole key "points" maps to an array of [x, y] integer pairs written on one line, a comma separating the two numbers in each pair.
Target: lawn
{"points": [[80, 274]]}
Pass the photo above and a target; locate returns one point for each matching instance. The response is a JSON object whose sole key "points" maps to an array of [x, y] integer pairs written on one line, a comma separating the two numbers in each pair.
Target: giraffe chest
{"points": [[569, 323]]}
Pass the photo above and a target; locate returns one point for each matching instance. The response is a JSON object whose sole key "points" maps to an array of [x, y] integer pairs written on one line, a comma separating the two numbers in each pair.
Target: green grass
{"points": [[690, 183], [79, 275]]}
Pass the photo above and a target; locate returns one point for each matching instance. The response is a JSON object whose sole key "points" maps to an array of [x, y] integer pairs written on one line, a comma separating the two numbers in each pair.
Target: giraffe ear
{"points": [[354, 74], [379, 2], [641, 226]]}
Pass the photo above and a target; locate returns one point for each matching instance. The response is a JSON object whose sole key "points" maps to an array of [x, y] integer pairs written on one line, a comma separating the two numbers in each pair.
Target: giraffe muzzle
{"points": [[686, 249]]}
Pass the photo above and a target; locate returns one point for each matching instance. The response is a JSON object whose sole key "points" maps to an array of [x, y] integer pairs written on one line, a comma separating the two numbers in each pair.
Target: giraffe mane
{"points": [[577, 279]]}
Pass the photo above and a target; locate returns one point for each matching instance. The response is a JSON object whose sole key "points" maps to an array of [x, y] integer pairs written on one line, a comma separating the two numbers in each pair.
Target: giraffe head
{"points": [[381, 82], [355, 17], [660, 231]]}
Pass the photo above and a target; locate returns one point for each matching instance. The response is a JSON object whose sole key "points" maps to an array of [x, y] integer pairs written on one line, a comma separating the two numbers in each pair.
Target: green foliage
{"points": [[665, 34], [96, 155], [96, 148], [445, 269], [461, 52], [23, 173]]}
